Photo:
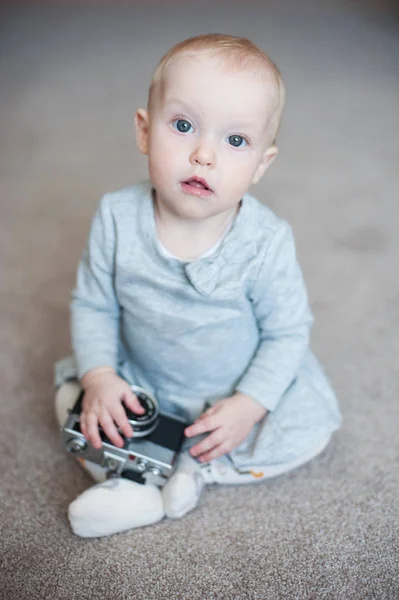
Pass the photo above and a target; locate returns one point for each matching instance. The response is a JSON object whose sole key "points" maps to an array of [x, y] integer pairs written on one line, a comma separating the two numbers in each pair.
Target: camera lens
{"points": [[145, 423]]}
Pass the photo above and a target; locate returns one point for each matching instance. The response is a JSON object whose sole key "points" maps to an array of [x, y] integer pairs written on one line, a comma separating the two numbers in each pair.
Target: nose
{"points": [[203, 154]]}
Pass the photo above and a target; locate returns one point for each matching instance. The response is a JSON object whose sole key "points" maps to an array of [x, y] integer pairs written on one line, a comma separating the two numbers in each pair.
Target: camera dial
{"points": [[76, 445], [146, 423]]}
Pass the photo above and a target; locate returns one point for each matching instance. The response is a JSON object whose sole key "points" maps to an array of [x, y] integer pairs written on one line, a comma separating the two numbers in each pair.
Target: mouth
{"points": [[196, 186], [197, 182]]}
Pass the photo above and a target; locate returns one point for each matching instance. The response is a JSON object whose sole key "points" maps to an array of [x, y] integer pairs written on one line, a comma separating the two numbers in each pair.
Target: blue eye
{"points": [[237, 141], [181, 125]]}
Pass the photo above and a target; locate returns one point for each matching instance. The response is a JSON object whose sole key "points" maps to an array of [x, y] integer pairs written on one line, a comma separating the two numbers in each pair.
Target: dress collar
{"points": [[237, 248]]}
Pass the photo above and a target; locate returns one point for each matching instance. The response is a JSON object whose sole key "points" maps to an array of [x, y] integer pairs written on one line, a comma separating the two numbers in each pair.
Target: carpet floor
{"points": [[71, 77]]}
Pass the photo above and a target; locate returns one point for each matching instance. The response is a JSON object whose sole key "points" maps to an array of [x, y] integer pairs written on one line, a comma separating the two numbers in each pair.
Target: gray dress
{"points": [[193, 333]]}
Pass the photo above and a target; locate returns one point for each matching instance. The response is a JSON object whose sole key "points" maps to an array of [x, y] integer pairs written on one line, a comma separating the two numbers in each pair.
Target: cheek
{"points": [[239, 168], [158, 156], [166, 148], [159, 168]]}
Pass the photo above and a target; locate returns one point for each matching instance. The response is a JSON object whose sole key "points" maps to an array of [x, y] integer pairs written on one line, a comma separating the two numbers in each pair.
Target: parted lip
{"points": [[200, 180]]}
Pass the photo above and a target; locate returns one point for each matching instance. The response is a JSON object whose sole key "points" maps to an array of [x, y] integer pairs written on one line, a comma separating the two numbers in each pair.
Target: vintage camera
{"points": [[148, 457]]}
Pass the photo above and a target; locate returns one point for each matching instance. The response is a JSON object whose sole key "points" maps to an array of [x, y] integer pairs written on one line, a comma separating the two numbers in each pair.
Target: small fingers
{"points": [[89, 423], [119, 416], [91, 428], [205, 423], [133, 403], [110, 430], [216, 452], [206, 445], [82, 424]]}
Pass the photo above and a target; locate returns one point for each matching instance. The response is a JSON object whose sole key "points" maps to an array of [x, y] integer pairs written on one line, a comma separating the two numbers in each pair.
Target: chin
{"points": [[191, 215]]}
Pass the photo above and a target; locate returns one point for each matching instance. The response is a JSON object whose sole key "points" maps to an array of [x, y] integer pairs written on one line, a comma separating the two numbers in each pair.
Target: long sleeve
{"points": [[280, 304], [94, 307]]}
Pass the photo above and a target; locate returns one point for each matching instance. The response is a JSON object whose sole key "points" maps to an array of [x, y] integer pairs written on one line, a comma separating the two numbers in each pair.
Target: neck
{"points": [[189, 239]]}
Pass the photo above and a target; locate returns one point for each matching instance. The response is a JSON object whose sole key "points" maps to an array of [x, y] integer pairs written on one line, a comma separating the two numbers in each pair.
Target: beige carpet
{"points": [[71, 77]]}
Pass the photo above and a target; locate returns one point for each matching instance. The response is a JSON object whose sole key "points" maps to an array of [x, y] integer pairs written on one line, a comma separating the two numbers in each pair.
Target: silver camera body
{"points": [[148, 458]]}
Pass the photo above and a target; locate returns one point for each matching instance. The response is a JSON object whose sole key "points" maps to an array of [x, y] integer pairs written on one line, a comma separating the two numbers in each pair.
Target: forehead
{"points": [[208, 86]]}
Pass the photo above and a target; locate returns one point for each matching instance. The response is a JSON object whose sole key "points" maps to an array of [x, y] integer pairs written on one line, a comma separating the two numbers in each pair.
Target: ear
{"points": [[141, 122], [266, 161]]}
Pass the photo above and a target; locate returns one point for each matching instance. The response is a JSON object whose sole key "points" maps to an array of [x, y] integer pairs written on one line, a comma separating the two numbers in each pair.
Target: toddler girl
{"points": [[190, 288]]}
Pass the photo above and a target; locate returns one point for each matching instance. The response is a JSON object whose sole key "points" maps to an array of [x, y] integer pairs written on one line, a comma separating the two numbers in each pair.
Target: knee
{"points": [[65, 398]]}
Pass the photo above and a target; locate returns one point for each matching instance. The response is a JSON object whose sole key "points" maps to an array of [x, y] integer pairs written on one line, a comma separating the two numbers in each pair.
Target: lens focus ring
{"points": [[143, 424]]}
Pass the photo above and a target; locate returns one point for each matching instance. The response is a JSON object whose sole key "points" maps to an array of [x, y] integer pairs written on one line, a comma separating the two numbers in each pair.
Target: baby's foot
{"points": [[114, 506], [182, 492]]}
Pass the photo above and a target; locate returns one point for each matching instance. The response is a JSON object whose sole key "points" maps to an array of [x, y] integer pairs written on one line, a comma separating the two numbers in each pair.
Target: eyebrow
{"points": [[179, 103]]}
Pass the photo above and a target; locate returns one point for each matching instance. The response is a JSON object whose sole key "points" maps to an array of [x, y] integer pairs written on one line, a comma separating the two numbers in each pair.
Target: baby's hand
{"points": [[230, 420], [102, 405]]}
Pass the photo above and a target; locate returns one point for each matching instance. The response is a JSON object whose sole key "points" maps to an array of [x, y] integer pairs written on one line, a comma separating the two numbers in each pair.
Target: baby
{"points": [[190, 288]]}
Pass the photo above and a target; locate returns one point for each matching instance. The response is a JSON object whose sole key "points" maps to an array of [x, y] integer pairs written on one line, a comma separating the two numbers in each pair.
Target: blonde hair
{"points": [[237, 52]]}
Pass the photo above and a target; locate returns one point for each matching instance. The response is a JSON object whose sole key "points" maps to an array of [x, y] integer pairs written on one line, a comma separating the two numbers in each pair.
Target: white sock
{"points": [[115, 506], [183, 490]]}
